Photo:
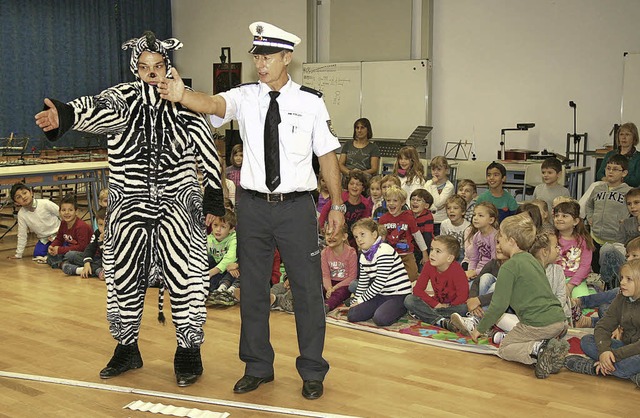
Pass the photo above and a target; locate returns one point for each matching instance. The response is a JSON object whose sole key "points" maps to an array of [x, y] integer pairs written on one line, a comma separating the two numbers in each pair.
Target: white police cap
{"points": [[269, 39]]}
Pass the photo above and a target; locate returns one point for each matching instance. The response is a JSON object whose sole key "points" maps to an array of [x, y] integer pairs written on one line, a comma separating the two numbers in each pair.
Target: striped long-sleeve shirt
{"points": [[383, 275]]}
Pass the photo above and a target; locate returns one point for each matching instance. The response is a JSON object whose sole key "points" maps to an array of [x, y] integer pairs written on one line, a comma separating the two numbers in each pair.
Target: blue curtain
{"points": [[64, 49]]}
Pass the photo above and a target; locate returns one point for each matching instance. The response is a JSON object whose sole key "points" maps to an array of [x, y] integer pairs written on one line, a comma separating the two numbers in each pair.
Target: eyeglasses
{"points": [[613, 169], [417, 199]]}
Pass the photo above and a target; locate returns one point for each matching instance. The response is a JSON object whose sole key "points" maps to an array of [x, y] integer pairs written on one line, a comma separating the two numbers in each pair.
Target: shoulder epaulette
{"points": [[246, 84], [310, 90]]}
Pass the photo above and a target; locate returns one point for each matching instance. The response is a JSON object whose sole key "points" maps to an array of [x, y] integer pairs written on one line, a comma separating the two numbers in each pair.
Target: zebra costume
{"points": [[155, 229]]}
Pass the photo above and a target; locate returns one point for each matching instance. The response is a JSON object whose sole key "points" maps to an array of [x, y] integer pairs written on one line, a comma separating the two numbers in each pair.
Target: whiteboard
{"points": [[630, 107], [340, 85], [393, 95]]}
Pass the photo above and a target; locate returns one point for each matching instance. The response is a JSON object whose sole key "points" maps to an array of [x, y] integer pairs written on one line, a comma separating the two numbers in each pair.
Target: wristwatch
{"points": [[340, 208]]}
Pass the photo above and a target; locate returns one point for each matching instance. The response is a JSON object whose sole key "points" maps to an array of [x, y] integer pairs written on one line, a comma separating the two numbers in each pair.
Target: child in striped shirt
{"points": [[383, 282]]}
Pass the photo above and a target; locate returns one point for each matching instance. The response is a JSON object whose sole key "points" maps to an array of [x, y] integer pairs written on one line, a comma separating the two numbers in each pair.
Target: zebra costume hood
{"points": [[148, 42]]}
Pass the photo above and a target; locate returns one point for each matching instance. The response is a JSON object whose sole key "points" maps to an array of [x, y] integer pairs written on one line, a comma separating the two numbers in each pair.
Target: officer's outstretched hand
{"points": [[48, 120], [171, 89]]}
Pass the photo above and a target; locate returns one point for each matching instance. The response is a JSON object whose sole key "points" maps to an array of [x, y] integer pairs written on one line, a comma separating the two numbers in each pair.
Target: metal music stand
{"points": [[458, 150]]}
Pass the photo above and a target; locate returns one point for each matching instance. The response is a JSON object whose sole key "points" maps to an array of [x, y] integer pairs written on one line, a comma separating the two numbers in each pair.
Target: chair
{"points": [[472, 170], [386, 165], [426, 165]]}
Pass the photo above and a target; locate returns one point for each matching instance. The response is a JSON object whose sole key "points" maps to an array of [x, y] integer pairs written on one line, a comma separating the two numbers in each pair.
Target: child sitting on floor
{"points": [[481, 293], [482, 238], [357, 206], [88, 263], [402, 231], [74, 234], [441, 189], [549, 189], [534, 213], [612, 254], [523, 285], [606, 207], [469, 192], [339, 268], [544, 212], [375, 192], [323, 194], [608, 356], [602, 300], [450, 288], [576, 247], [380, 208], [456, 225], [502, 199], [222, 249], [545, 250], [40, 216], [421, 200], [232, 172], [281, 295], [409, 170], [383, 282]]}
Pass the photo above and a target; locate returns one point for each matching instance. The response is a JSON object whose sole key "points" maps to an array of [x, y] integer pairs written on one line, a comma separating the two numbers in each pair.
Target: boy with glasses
{"points": [[606, 207]]}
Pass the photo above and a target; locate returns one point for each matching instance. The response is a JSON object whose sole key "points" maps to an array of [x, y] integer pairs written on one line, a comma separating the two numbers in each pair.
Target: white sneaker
{"points": [[464, 325], [498, 337]]}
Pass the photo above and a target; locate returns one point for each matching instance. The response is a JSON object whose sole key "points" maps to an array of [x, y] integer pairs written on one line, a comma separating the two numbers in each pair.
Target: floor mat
{"points": [[411, 329]]}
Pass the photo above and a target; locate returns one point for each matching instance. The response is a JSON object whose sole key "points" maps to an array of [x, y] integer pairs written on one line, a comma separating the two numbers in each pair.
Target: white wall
{"points": [[501, 62], [370, 30], [205, 26]]}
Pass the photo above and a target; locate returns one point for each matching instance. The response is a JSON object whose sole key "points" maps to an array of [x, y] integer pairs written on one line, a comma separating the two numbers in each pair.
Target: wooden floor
{"points": [[53, 325]]}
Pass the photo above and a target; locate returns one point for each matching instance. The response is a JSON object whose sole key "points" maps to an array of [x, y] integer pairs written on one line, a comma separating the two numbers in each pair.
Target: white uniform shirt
{"points": [[304, 128]]}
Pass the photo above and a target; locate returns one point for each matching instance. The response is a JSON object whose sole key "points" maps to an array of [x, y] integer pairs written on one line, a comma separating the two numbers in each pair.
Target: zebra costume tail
{"points": [[161, 318]]}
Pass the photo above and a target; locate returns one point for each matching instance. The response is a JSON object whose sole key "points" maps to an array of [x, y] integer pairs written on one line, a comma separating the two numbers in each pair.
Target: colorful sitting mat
{"points": [[411, 329]]}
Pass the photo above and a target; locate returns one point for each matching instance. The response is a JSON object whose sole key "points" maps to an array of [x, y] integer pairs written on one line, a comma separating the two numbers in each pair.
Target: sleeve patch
{"points": [[330, 126]]}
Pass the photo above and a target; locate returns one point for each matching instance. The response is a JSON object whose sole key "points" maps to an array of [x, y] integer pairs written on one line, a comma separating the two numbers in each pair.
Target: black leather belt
{"points": [[276, 197]]}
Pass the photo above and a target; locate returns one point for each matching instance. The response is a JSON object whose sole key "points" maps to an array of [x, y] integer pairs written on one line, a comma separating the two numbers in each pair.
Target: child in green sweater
{"points": [[523, 285], [224, 273]]}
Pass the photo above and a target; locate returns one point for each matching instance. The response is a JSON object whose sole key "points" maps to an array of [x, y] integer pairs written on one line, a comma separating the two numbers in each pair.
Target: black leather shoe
{"points": [[312, 389], [125, 357], [186, 379], [248, 383]]}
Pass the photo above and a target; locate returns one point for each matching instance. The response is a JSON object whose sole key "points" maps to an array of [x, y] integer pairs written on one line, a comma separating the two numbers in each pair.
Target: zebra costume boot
{"points": [[125, 357], [187, 364]]}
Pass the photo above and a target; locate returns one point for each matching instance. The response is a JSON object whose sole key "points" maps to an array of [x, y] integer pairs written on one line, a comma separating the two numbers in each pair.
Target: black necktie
{"points": [[271, 143]]}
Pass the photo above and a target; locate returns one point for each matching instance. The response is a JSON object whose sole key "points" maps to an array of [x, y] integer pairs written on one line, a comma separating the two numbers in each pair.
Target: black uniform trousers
{"points": [[291, 226]]}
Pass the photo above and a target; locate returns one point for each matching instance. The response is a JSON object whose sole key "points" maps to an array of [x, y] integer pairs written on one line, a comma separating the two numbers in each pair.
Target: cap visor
{"points": [[264, 50]]}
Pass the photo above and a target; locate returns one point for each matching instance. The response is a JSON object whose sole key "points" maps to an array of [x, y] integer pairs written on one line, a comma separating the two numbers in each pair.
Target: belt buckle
{"points": [[275, 197]]}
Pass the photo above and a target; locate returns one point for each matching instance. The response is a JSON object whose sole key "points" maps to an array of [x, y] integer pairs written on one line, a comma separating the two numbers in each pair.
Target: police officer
{"points": [[282, 124]]}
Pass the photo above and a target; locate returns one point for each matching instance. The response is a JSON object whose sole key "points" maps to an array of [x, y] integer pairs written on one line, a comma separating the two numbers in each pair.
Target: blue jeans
{"points": [[353, 286], [77, 259], [426, 313], [625, 368], [601, 301], [222, 278], [55, 261], [611, 259], [487, 284]]}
